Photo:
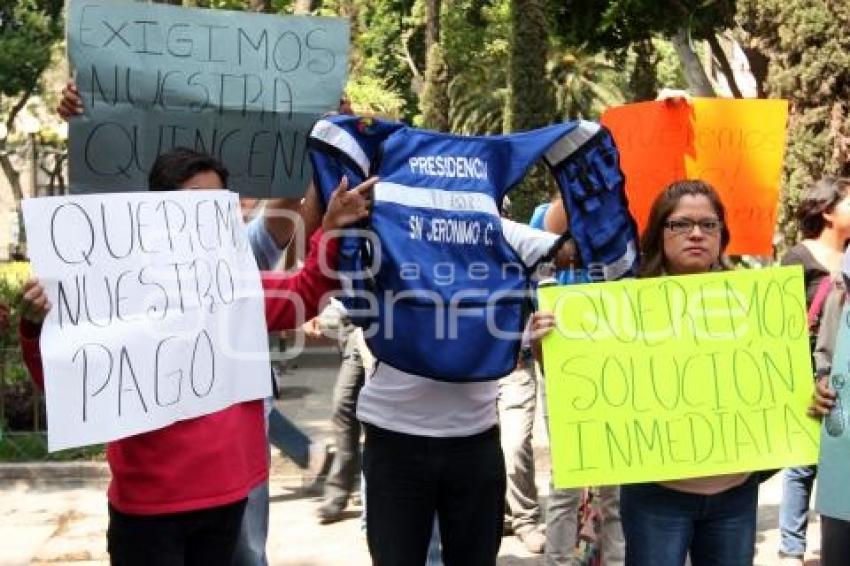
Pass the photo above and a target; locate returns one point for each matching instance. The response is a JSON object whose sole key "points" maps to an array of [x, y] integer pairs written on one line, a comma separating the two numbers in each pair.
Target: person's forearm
{"points": [[311, 284], [29, 334]]}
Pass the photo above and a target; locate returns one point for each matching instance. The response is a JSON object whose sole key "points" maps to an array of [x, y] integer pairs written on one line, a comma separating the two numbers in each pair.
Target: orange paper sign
{"points": [[735, 145]]}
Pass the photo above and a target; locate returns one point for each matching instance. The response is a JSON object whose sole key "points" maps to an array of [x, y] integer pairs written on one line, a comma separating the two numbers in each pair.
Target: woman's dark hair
{"points": [[652, 241], [176, 166], [820, 199]]}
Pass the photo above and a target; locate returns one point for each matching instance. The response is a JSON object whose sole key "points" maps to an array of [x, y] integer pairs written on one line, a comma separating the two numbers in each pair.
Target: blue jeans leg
{"points": [[662, 525], [794, 509], [435, 552], [288, 438], [251, 544], [725, 533], [657, 524]]}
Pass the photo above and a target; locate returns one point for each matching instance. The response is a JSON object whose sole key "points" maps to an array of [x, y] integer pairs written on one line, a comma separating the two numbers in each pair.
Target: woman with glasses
{"points": [[711, 518]]}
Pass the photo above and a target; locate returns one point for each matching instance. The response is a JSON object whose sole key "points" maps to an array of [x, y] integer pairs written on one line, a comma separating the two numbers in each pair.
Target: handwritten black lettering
{"points": [[84, 351], [203, 336], [77, 256]]}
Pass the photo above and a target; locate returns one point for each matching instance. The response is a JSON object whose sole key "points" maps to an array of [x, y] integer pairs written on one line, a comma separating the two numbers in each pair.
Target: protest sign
{"points": [[243, 87], [833, 498], [735, 145], [157, 311], [677, 377]]}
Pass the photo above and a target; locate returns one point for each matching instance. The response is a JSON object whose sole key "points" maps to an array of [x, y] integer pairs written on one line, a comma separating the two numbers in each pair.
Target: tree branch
{"points": [[694, 72], [17, 107], [720, 55], [417, 82]]}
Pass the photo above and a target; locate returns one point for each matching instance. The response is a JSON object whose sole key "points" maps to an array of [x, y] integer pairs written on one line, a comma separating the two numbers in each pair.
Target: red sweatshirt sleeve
{"points": [[309, 284], [29, 334]]}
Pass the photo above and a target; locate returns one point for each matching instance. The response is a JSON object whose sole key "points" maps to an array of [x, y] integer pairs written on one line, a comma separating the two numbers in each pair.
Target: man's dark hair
{"points": [[176, 166], [819, 199]]}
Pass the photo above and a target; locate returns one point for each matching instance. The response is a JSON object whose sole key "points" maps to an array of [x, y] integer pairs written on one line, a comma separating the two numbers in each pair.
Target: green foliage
{"points": [[381, 30], [12, 372], [476, 44], [477, 101], [809, 51], [668, 71], [28, 31], [370, 95], [32, 446], [617, 24], [584, 84]]}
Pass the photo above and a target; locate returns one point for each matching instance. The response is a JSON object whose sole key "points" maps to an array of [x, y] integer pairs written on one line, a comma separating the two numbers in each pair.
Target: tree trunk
{"points": [[432, 24], [759, 63], [300, 7], [264, 6], [475, 13], [14, 179], [13, 176], [530, 101], [644, 80], [434, 102], [720, 55], [698, 82]]}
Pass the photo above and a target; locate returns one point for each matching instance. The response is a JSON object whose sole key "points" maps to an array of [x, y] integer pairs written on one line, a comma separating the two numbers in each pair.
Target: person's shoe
{"points": [[330, 512], [533, 539]]}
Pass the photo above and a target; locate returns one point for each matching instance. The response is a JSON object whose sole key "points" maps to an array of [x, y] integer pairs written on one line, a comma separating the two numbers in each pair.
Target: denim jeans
{"points": [[410, 478], [284, 435], [288, 438], [662, 525], [794, 509], [251, 544]]}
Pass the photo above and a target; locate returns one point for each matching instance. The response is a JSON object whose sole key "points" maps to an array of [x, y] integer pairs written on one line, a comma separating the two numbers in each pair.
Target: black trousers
{"points": [[206, 537], [409, 478], [834, 542]]}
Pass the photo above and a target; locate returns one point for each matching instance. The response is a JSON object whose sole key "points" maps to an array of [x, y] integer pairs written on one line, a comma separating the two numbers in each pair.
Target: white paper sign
{"points": [[157, 311]]}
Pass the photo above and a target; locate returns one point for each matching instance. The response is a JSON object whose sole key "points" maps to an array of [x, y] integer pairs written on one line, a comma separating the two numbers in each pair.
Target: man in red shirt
{"points": [[177, 494]]}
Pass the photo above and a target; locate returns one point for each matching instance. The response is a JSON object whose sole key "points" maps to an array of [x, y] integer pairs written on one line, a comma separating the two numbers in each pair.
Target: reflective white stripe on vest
{"points": [[333, 135], [436, 199], [570, 143], [617, 268]]}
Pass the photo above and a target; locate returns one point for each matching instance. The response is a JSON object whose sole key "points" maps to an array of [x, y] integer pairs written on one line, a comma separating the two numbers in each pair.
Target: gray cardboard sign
{"points": [[243, 87]]}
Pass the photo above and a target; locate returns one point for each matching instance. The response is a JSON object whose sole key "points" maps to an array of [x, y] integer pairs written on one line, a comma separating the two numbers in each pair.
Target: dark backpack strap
{"points": [[817, 302]]}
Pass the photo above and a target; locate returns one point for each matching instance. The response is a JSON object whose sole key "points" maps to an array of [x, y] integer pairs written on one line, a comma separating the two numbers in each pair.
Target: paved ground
{"points": [[57, 515]]}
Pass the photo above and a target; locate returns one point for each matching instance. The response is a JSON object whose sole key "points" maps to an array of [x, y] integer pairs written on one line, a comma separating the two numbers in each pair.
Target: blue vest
{"points": [[432, 280]]}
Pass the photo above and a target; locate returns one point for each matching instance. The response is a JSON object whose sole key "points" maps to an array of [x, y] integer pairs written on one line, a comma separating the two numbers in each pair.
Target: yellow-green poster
{"points": [[677, 377]]}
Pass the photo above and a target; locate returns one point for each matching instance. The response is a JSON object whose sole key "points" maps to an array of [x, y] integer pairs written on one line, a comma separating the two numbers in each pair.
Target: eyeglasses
{"points": [[686, 225]]}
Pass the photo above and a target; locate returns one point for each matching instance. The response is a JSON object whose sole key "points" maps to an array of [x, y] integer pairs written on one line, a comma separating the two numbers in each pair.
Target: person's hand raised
{"points": [[71, 103], [346, 207]]}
